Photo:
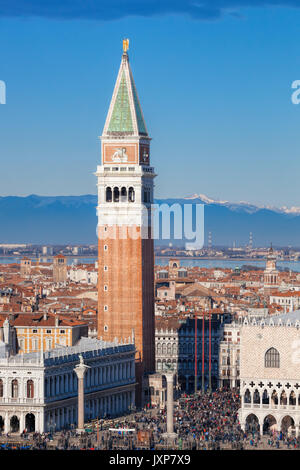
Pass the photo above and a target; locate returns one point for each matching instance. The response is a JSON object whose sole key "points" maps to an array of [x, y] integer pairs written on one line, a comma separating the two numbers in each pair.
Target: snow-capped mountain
{"points": [[247, 206], [72, 219]]}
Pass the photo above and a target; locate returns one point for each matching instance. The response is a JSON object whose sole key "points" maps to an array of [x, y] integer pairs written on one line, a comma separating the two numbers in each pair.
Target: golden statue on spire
{"points": [[125, 45]]}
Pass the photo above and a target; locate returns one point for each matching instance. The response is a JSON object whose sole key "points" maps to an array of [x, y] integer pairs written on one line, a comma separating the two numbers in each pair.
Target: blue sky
{"points": [[215, 89]]}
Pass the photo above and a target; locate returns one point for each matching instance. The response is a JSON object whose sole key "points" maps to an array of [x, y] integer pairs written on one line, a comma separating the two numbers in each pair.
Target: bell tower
{"points": [[271, 272], [125, 246]]}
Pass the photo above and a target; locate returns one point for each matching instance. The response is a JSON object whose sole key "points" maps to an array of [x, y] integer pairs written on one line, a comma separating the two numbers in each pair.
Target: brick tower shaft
{"points": [[126, 249]]}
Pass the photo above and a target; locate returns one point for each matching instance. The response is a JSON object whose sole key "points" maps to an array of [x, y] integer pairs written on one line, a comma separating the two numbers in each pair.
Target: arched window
{"points": [[265, 398], [123, 194], [292, 398], [1, 388], [131, 195], [14, 388], [247, 396], [256, 397], [30, 389], [116, 194], [272, 358], [108, 195]]}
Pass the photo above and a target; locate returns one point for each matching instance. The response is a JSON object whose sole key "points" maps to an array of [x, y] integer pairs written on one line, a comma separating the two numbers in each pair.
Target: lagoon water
{"points": [[203, 263]]}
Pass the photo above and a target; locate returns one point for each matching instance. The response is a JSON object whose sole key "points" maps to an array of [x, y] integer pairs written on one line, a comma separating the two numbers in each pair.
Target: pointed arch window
{"points": [[272, 358], [1, 388], [247, 396]]}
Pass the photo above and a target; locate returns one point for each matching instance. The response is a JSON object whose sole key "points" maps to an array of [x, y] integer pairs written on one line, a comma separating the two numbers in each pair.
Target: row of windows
{"points": [[117, 372], [226, 361], [283, 301], [35, 343], [264, 397], [228, 372], [188, 365], [185, 348], [15, 388], [64, 383], [117, 195], [62, 332], [122, 195]]}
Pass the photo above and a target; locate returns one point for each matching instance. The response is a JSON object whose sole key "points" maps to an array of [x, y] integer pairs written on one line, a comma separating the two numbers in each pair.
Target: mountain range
{"points": [[72, 220]]}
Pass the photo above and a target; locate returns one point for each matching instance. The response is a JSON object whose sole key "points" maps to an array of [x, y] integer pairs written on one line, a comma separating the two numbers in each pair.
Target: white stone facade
{"points": [[229, 361], [270, 373], [288, 300], [49, 401], [82, 275], [125, 212]]}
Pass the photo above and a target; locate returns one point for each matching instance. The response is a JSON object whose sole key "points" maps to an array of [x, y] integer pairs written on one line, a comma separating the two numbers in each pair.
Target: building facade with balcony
{"points": [[39, 390], [175, 347], [229, 360], [270, 374]]}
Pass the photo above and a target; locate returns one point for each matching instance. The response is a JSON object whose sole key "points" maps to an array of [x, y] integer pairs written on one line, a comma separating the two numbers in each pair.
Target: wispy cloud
{"points": [[106, 10]]}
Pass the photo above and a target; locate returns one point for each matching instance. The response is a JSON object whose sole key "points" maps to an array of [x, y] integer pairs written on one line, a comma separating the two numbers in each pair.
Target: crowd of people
{"points": [[206, 421]]}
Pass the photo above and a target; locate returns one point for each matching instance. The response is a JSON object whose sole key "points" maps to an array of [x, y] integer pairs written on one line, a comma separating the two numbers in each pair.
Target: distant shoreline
{"points": [[204, 258], [217, 258]]}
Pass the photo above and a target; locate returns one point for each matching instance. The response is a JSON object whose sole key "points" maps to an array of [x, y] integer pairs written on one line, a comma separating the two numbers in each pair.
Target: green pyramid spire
{"points": [[125, 114], [121, 120], [138, 111]]}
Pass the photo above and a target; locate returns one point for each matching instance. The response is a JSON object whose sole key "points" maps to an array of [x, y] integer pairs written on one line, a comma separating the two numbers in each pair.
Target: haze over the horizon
{"points": [[216, 96], [203, 198]]}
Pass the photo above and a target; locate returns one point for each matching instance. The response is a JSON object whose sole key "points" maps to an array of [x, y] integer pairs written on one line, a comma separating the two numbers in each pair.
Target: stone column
{"points": [[22, 422], [6, 423], [233, 380], [170, 406], [41, 417], [80, 371]]}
